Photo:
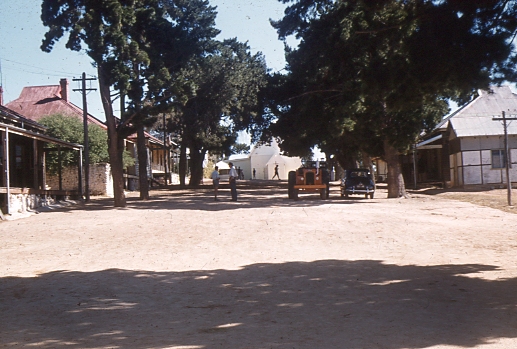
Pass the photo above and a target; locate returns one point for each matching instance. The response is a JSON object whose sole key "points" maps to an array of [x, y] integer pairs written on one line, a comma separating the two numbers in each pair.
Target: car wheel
{"points": [[371, 195], [323, 194]]}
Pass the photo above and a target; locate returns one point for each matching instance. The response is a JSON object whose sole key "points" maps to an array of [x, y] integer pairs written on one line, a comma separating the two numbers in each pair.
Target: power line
{"points": [[42, 71]]}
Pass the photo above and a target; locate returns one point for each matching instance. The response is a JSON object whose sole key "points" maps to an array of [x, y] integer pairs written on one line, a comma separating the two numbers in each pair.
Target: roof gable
{"points": [[36, 102], [10, 117], [476, 118]]}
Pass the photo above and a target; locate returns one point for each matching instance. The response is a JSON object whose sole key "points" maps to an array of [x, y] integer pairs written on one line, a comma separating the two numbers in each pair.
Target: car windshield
{"points": [[354, 174]]}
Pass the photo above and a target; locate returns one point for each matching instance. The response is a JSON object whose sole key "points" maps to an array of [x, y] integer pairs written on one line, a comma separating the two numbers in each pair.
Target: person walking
{"points": [[215, 180], [276, 173], [233, 181]]}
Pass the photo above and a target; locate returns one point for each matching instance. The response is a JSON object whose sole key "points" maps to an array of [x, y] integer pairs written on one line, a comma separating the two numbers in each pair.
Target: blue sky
{"points": [[24, 64]]}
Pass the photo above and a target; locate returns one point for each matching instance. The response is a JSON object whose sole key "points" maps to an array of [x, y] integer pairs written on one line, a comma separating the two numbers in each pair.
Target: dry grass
{"points": [[481, 195]]}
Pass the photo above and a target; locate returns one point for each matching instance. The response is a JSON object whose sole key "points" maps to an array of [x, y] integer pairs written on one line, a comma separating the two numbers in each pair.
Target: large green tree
{"points": [[133, 44], [150, 88], [71, 129], [220, 95], [371, 75]]}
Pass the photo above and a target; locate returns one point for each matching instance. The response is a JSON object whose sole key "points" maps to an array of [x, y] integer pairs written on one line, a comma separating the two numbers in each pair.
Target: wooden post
{"points": [[165, 152], [80, 174], [7, 170], [507, 161], [35, 174], [60, 168], [504, 119], [83, 89]]}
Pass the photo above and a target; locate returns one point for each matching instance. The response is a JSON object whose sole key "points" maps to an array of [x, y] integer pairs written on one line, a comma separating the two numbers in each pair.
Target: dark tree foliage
{"points": [[135, 46], [241, 148], [368, 76], [219, 96]]}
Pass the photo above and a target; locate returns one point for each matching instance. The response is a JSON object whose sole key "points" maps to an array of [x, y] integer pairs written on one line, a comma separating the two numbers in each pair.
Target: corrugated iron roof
{"points": [[133, 137], [39, 136], [476, 118], [36, 102], [481, 126], [9, 116]]}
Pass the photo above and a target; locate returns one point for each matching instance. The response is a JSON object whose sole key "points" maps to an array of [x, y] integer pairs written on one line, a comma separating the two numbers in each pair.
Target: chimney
{"points": [[64, 89], [1, 95]]}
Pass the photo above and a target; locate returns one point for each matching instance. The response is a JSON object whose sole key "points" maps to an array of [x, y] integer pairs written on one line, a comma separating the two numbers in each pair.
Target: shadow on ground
{"points": [[202, 198], [321, 304], [436, 190]]}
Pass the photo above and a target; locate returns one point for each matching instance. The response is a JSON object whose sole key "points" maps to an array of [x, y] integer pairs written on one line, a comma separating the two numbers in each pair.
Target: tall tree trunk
{"points": [[183, 163], [396, 186], [115, 142], [196, 166], [367, 163], [142, 163]]}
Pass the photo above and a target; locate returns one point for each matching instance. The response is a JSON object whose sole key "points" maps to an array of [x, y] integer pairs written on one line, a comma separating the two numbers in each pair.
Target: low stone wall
{"points": [[21, 203], [101, 182], [24, 205]]}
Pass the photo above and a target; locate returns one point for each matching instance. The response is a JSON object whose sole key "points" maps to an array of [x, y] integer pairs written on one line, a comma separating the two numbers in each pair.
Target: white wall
{"points": [[263, 159], [244, 164], [259, 163], [474, 167], [285, 164]]}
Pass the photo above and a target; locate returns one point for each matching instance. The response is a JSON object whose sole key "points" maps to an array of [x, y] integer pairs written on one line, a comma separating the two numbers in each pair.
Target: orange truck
{"points": [[311, 177]]}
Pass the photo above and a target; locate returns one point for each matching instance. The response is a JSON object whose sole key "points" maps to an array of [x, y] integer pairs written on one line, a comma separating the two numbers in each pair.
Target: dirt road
{"points": [[184, 271]]}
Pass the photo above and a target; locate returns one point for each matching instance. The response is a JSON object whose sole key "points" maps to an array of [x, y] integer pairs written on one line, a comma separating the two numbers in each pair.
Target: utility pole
{"points": [[507, 155], [83, 90], [165, 152]]}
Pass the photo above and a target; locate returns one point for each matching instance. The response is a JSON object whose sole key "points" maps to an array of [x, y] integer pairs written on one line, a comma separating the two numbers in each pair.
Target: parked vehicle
{"points": [[358, 181], [311, 177], [224, 175]]}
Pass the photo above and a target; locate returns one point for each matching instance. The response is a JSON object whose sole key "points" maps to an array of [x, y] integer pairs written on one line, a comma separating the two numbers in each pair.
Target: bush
{"points": [[70, 129]]}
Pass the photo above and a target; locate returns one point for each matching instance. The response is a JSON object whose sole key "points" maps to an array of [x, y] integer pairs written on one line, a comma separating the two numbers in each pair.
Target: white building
{"points": [[263, 159]]}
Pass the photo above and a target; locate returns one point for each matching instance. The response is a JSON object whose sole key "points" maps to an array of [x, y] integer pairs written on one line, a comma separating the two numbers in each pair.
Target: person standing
{"points": [[215, 180], [276, 173], [233, 181], [254, 173]]}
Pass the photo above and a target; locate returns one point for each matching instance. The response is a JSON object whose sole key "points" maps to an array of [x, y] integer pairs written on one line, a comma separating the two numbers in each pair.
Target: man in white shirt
{"points": [[233, 181], [215, 180]]}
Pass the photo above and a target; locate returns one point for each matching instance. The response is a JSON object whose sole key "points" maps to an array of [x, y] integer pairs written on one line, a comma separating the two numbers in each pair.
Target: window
{"points": [[498, 159]]}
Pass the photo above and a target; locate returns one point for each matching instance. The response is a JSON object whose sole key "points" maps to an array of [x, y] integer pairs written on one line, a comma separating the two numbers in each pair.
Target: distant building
{"points": [[467, 148], [263, 159], [36, 102], [23, 147]]}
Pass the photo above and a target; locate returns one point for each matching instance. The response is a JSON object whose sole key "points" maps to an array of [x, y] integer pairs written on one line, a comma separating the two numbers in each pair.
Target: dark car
{"points": [[358, 181]]}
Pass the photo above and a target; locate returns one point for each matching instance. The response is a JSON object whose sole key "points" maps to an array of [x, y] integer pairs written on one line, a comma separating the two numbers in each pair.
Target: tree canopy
{"points": [[219, 96], [368, 76], [136, 46], [70, 129]]}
